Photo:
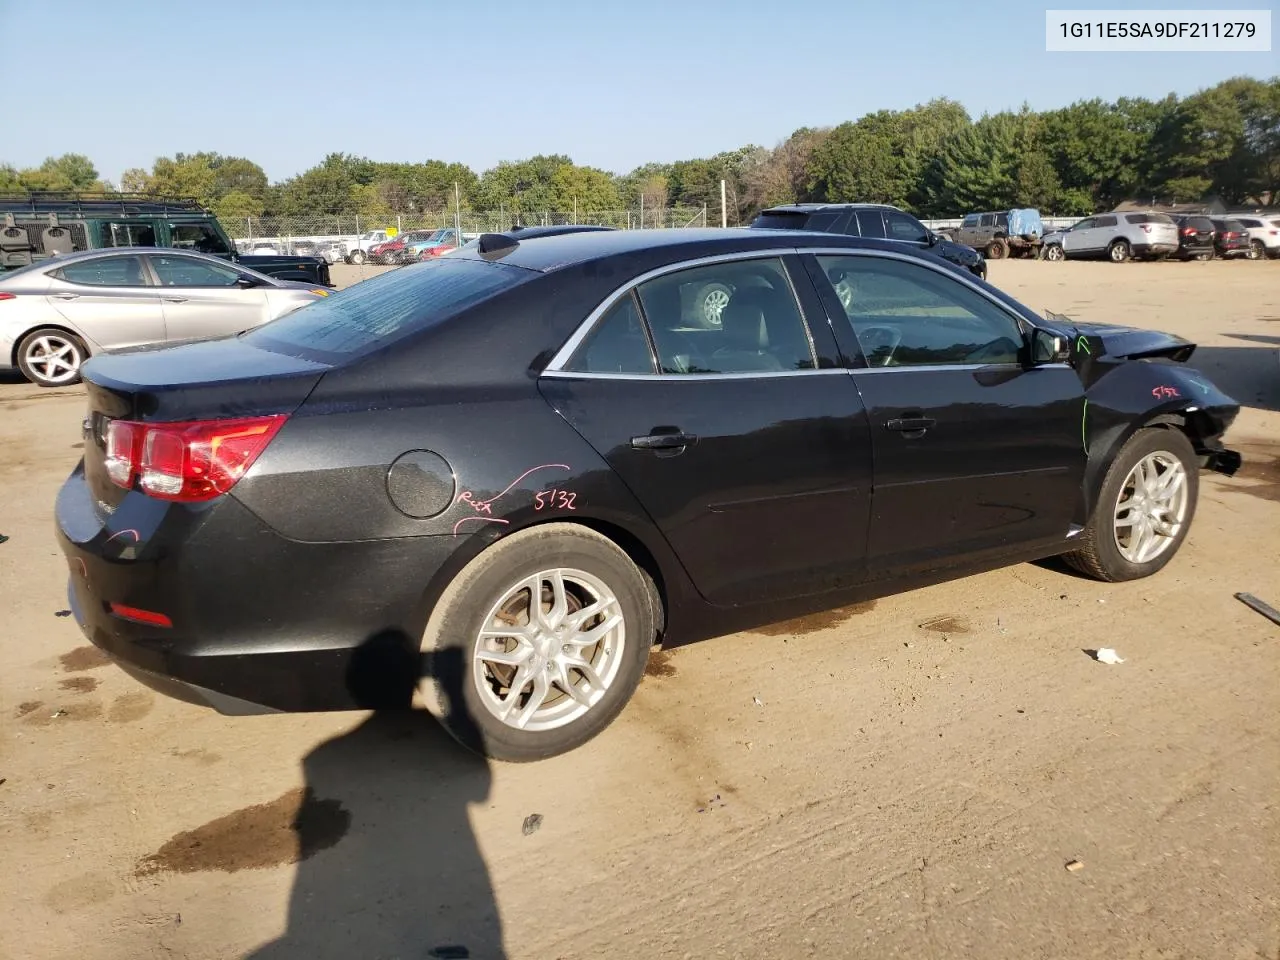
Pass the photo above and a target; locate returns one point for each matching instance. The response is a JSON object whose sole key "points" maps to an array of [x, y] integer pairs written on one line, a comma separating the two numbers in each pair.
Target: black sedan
{"points": [[497, 479]]}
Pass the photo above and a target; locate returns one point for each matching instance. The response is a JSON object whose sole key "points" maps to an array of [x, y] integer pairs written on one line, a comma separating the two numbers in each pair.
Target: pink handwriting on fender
{"points": [[1164, 393], [484, 508], [554, 500]]}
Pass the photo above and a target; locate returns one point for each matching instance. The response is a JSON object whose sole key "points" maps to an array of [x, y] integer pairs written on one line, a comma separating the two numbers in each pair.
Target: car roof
{"points": [[815, 207], [547, 254]]}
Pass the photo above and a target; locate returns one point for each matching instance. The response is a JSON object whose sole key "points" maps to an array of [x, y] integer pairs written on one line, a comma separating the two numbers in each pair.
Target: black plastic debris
{"points": [[62, 613], [1253, 603], [531, 824], [3, 538], [454, 951]]}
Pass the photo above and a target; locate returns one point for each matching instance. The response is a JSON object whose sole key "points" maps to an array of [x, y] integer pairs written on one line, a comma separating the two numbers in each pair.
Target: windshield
{"points": [[386, 308]]}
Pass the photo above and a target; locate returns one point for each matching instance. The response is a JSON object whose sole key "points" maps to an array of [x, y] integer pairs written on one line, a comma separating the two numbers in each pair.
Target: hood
{"points": [[1125, 343]]}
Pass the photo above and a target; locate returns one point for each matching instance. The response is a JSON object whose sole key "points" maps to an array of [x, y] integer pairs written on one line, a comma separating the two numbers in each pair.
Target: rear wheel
{"points": [[996, 249], [356, 257], [1257, 250], [51, 358], [1144, 508], [1119, 251], [539, 643]]}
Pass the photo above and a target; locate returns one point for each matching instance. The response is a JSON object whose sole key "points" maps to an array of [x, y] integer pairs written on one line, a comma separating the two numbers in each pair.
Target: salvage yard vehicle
{"points": [[1116, 237], [56, 313], [1264, 235], [1195, 237], [501, 476], [1230, 238], [1009, 233], [359, 249], [37, 225]]}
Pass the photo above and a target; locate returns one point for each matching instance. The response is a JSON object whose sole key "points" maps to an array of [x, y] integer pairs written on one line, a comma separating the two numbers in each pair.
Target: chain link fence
{"points": [[336, 232]]}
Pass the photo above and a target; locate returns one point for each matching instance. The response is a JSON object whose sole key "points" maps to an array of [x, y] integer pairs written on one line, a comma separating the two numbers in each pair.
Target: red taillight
{"points": [[1188, 231], [140, 616], [7, 296], [189, 461]]}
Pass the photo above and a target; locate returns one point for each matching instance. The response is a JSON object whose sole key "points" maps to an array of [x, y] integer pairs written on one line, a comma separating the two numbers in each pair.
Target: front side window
{"points": [[905, 314], [971, 220], [1087, 224], [200, 237], [104, 272], [617, 344], [187, 272], [739, 316], [903, 227]]}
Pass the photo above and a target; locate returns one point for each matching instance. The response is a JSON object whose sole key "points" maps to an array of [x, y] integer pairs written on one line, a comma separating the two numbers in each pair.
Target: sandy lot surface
{"points": [[850, 785]]}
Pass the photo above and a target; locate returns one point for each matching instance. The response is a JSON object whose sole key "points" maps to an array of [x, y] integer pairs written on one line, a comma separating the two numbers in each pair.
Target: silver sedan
{"points": [[56, 313]]}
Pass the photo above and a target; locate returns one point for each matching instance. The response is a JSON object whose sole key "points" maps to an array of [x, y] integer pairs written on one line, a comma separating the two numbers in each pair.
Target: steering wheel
{"points": [[879, 341], [997, 351]]}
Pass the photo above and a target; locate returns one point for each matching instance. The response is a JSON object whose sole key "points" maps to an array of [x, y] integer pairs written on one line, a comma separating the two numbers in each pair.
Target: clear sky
{"points": [[613, 85]]}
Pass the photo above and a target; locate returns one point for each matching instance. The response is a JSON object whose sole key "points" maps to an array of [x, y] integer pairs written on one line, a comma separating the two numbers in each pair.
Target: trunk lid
{"points": [[204, 380]]}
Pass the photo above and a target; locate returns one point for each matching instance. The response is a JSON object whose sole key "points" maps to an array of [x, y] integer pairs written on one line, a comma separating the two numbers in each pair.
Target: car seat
{"points": [[744, 334], [57, 240], [15, 244]]}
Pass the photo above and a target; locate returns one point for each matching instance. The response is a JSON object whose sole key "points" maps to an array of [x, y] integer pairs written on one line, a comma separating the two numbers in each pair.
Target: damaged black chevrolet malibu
{"points": [[496, 480]]}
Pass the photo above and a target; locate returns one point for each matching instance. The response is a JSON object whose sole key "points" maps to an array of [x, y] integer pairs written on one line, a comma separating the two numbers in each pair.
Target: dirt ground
{"points": [[874, 782]]}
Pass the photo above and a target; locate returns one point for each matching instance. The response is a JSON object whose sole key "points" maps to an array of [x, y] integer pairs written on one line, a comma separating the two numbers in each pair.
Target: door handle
{"points": [[66, 296], [663, 441], [174, 299], [912, 426]]}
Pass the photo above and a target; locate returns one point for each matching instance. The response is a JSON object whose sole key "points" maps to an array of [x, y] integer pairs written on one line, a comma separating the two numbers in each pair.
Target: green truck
{"points": [[38, 225]]}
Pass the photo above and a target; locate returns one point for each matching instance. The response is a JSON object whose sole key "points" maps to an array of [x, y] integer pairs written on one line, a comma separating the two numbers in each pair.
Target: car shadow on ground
{"points": [[407, 878], [1248, 374]]}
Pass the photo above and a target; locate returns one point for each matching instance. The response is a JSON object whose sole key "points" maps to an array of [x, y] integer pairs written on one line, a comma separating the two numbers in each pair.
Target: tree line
{"points": [[933, 159]]}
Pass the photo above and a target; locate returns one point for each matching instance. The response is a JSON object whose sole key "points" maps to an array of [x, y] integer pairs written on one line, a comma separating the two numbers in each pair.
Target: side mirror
{"points": [[1048, 347], [246, 282]]}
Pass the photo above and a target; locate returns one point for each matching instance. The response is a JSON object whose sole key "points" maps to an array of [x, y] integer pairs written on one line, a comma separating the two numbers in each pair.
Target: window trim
{"points": [[555, 367]]}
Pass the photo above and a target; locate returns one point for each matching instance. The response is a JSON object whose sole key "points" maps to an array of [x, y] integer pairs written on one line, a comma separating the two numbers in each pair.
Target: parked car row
{"points": [[1156, 236]]}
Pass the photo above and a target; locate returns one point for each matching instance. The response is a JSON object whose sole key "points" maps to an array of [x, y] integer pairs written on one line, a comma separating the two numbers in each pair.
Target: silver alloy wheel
{"points": [[539, 666], [1151, 507], [713, 303], [1119, 252], [1256, 250], [1053, 252], [54, 359]]}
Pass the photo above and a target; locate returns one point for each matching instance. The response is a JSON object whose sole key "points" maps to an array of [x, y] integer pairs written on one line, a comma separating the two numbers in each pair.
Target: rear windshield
{"points": [[1199, 223], [793, 221], [1148, 218], [388, 307]]}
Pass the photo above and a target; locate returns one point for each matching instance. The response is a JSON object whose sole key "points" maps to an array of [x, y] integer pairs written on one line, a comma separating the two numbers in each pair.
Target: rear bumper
{"points": [[1154, 249], [260, 623]]}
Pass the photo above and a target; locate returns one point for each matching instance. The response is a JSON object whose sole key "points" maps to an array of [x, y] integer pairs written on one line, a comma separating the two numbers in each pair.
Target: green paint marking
{"points": [[1084, 436], [1082, 345]]}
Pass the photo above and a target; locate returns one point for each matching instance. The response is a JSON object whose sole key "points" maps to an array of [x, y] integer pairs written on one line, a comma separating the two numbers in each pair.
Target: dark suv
{"points": [[872, 220], [1195, 238]]}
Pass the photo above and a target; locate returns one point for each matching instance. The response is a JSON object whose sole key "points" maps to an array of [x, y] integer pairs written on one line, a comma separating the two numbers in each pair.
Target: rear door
{"points": [[744, 439], [975, 452], [110, 299], [202, 299]]}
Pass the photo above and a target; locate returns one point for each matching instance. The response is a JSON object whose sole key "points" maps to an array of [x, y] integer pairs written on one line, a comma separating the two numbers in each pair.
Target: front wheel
{"points": [[1054, 252], [539, 643], [1144, 508], [51, 358], [1119, 251]]}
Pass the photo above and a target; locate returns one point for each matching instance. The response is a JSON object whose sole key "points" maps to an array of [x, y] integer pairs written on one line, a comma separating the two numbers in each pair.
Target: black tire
{"points": [[1204, 257], [1257, 250], [1097, 554], [77, 354], [451, 689], [1054, 253], [356, 257], [1119, 251], [996, 249]]}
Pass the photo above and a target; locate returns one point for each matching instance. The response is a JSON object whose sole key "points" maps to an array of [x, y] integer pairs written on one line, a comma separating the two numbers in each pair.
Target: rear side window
{"points": [[1251, 223], [1148, 218], [617, 344], [1105, 221], [988, 220], [104, 272], [376, 312]]}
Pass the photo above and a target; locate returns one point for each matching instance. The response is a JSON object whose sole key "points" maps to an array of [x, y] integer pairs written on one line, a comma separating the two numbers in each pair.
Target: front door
{"points": [[1082, 238], [975, 451], [750, 456], [203, 299], [109, 299]]}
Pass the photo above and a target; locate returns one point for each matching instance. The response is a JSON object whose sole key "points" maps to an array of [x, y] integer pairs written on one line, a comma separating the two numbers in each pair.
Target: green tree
{"points": [[585, 189], [237, 206]]}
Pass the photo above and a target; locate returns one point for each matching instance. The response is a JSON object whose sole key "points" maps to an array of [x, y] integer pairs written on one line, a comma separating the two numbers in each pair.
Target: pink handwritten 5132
{"points": [[1164, 393]]}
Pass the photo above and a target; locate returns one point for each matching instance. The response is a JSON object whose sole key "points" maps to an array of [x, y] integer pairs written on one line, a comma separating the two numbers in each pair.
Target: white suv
{"points": [[1115, 236], [1264, 236]]}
